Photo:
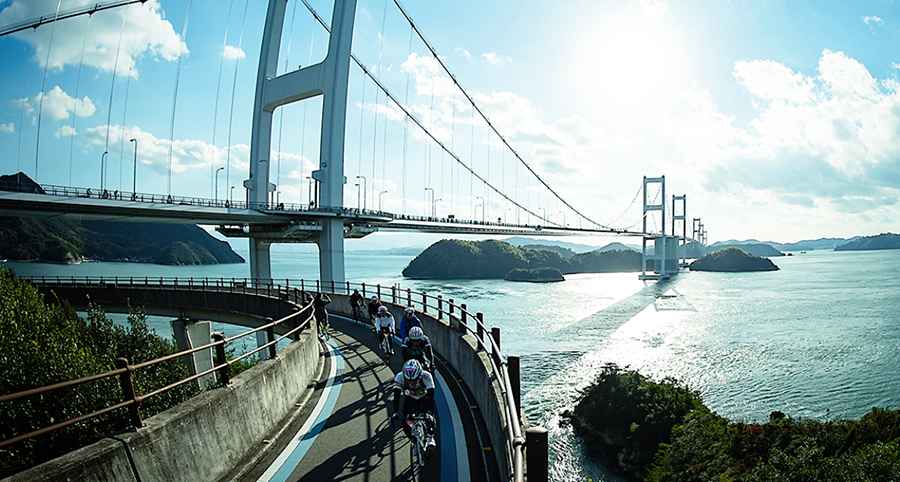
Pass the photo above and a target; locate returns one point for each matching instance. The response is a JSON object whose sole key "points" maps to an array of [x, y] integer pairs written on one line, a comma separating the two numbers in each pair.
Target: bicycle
{"points": [[387, 347], [417, 434], [323, 330]]}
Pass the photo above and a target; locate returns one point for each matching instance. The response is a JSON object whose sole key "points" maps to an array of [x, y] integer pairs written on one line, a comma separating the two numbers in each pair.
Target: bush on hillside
{"points": [[44, 342]]}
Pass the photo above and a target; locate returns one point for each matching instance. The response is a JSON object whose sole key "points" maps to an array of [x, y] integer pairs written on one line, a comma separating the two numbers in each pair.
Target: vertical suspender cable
{"points": [[376, 114], [212, 182], [77, 93], [237, 62], [184, 26], [452, 148], [122, 128], [19, 146], [405, 129], [287, 61], [472, 162], [362, 103], [303, 123], [37, 142], [112, 88]]}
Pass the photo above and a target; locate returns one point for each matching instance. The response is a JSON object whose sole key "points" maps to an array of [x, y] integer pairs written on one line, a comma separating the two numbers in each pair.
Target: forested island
{"points": [[732, 260], [64, 240], [492, 259], [662, 431], [869, 243], [753, 249], [535, 275]]}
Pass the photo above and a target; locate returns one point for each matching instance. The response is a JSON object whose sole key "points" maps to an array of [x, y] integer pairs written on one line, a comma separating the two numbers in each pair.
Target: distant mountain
{"points": [[566, 253], [753, 249], [64, 240], [576, 247], [881, 241], [620, 247], [813, 244]]}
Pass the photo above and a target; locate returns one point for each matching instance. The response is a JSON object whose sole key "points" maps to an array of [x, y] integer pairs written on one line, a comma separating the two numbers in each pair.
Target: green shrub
{"points": [[44, 342]]}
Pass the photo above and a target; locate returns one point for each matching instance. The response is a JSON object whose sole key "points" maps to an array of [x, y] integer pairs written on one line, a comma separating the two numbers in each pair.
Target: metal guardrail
{"points": [[295, 289], [124, 370]]}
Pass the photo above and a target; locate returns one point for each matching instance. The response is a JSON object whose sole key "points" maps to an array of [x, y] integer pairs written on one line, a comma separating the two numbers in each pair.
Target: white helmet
{"points": [[416, 333], [382, 310], [412, 370]]}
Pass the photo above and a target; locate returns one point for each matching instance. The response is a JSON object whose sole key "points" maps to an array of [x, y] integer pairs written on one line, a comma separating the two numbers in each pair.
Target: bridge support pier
{"points": [[331, 251], [190, 333], [260, 261]]}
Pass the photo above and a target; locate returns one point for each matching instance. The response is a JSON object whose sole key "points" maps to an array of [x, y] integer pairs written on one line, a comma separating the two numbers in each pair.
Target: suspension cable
{"points": [[112, 87], [287, 60], [484, 116], [35, 22], [122, 127], [419, 123], [237, 62], [184, 27], [37, 142], [212, 182], [74, 123]]}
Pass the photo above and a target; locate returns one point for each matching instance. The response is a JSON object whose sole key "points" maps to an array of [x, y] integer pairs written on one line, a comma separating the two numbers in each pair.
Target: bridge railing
{"points": [[125, 371], [116, 195], [458, 315]]}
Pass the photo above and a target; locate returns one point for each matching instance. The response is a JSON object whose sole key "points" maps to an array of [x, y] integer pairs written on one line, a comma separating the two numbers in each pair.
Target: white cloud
{"points": [[144, 32], [771, 80], [464, 53], [58, 105], [65, 131], [233, 53], [896, 65], [7, 128], [494, 58], [188, 155], [872, 20]]}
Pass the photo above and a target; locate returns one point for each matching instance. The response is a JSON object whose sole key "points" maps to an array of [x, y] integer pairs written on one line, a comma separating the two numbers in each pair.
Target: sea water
{"points": [[818, 339]]}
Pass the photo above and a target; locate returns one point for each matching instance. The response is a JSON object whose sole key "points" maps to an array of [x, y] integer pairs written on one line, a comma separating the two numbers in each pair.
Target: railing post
{"points": [[318, 288], [451, 307], [440, 307], [220, 357], [495, 334], [363, 290], [378, 291], [270, 337], [536, 454], [125, 381], [424, 302], [332, 287], [394, 295], [463, 317], [348, 287], [302, 288], [514, 370], [479, 328], [408, 297]]}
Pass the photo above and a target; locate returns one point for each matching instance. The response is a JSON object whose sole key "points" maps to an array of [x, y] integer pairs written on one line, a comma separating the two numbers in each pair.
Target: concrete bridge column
{"points": [[190, 333], [260, 261]]}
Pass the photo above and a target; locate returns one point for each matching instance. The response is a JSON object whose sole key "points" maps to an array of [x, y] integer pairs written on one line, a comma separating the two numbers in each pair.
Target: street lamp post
{"points": [[134, 174], [358, 192], [434, 206], [380, 195], [482, 207], [427, 190], [103, 171], [216, 193], [365, 188], [230, 194]]}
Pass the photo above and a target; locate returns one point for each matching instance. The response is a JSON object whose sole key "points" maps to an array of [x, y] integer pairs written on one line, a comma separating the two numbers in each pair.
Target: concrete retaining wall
{"points": [[203, 438], [461, 351]]}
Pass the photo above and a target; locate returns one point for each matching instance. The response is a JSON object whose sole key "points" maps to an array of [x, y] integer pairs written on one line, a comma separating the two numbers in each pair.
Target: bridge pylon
{"points": [[679, 218], [328, 78]]}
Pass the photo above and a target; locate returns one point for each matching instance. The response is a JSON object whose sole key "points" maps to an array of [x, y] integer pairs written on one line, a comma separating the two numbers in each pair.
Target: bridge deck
{"points": [[344, 431]]}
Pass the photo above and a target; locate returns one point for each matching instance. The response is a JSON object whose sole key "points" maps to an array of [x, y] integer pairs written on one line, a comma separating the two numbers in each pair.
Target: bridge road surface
{"points": [[346, 432]]}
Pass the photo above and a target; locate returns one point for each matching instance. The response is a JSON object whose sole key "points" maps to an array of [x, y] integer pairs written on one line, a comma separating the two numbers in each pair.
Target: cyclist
{"points": [[356, 302], [413, 395], [373, 306], [319, 311], [408, 321], [417, 346], [384, 321]]}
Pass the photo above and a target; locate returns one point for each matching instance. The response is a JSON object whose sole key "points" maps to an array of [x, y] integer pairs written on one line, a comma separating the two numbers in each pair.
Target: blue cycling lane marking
{"points": [[454, 455], [289, 458]]}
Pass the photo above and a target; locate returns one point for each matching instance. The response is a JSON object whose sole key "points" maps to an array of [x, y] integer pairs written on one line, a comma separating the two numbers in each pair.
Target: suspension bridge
{"points": [[456, 171]]}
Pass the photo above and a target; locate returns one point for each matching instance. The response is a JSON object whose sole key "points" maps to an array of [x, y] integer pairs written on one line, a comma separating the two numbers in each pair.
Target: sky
{"points": [[780, 120]]}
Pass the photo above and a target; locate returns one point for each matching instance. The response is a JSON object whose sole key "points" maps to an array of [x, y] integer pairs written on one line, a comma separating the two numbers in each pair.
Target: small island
{"points": [[492, 259], [535, 275], [732, 260], [59, 239], [872, 243], [753, 249]]}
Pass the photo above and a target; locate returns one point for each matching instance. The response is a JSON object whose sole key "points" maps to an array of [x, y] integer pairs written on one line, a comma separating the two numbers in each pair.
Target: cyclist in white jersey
{"points": [[384, 324], [414, 394]]}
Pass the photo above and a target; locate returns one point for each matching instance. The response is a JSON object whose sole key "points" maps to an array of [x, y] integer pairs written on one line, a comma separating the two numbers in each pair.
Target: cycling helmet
{"points": [[382, 310], [412, 370], [409, 311], [416, 333], [374, 298]]}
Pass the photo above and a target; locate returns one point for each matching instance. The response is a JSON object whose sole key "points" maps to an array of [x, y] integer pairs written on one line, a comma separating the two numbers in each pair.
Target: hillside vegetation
{"points": [[732, 260], [869, 243], [662, 432]]}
